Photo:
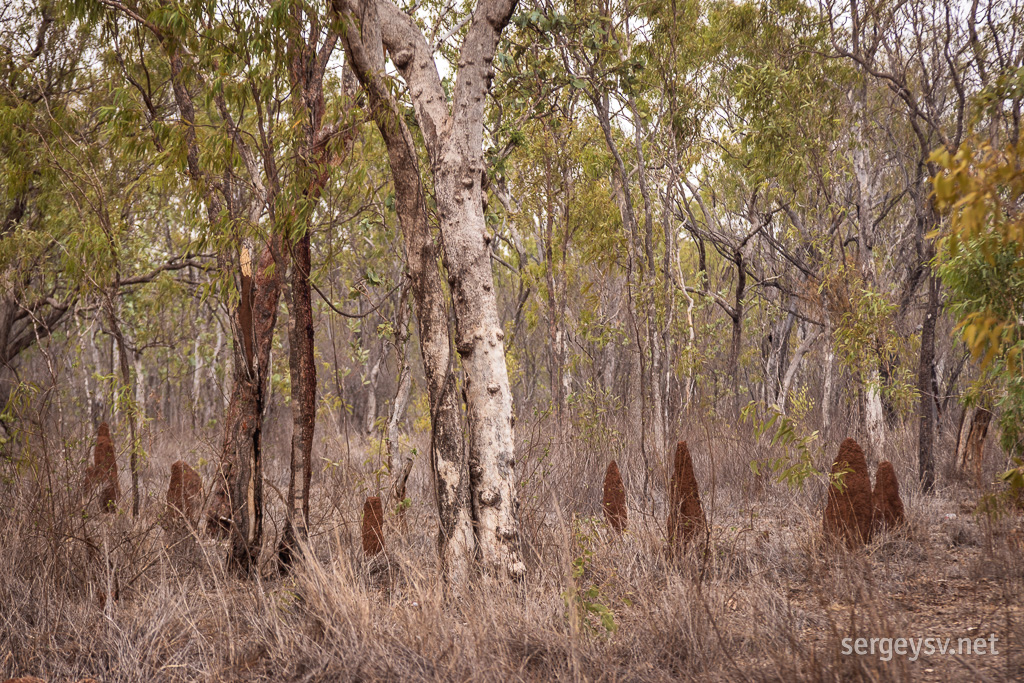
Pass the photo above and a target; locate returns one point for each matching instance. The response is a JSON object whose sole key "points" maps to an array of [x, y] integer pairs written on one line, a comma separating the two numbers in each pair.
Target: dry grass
{"points": [[766, 601]]}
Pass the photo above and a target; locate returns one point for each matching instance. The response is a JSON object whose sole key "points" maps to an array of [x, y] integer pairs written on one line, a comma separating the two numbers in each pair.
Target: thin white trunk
{"points": [[370, 417], [874, 416], [794, 366], [828, 389], [197, 378], [140, 391]]}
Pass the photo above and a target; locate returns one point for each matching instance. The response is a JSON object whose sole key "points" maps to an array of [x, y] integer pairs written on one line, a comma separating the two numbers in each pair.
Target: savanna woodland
{"points": [[511, 340]]}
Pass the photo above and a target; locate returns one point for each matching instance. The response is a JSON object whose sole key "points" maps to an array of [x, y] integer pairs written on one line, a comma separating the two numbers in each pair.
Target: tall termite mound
{"points": [[888, 504], [373, 526], [102, 473], [850, 508], [183, 493], [686, 515], [614, 501]]}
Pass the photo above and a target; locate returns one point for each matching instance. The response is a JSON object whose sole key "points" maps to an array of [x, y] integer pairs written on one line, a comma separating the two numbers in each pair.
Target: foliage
{"points": [[800, 449], [585, 599], [981, 188]]}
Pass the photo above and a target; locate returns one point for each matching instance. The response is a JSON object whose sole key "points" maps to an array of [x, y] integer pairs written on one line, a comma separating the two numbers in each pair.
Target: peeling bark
{"points": [[364, 48], [238, 494], [454, 141]]}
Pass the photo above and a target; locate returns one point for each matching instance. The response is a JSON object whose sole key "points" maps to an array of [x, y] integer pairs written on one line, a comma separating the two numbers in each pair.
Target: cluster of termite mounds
{"points": [[184, 493], [686, 520], [854, 512], [184, 500]]}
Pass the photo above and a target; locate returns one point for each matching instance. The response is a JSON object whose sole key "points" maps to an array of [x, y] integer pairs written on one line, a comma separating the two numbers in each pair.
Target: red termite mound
{"points": [[686, 515], [184, 493], [102, 473], [373, 526], [849, 512], [614, 501], [888, 504]]}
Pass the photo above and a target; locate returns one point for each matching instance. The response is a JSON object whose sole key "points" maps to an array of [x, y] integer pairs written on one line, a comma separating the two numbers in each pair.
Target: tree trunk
{"points": [[737, 331], [828, 388], [479, 342], [874, 416], [128, 405], [794, 366], [926, 410], [399, 472], [970, 442], [238, 494], [370, 404], [456, 542], [302, 368]]}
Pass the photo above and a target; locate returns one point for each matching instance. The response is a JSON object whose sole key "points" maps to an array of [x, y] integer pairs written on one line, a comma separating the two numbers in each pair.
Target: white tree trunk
{"points": [[828, 388], [874, 416], [453, 133], [794, 367]]}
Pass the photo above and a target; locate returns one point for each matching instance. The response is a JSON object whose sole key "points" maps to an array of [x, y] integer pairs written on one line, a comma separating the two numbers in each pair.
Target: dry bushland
{"points": [[767, 600]]}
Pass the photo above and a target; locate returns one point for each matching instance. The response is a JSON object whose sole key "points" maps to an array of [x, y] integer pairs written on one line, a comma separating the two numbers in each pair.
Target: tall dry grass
{"points": [[763, 599]]}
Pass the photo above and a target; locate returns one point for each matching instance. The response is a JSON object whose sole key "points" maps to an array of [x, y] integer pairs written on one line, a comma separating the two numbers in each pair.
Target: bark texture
{"points": [[308, 57], [850, 509], [926, 407], [970, 443], [237, 507], [454, 141]]}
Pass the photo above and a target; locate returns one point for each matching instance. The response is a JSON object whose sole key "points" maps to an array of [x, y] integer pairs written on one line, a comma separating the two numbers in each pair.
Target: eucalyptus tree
{"points": [[231, 94], [930, 58], [365, 51], [75, 241], [453, 134]]}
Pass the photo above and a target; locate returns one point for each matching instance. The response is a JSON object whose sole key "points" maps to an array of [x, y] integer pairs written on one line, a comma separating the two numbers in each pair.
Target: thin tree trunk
{"points": [[737, 330], [128, 392], [302, 368], [926, 410], [828, 388], [794, 366], [399, 472], [874, 416], [238, 493]]}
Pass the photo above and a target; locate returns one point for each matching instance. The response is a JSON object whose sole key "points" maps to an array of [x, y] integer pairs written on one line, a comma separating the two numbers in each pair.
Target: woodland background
{"points": [[761, 227]]}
